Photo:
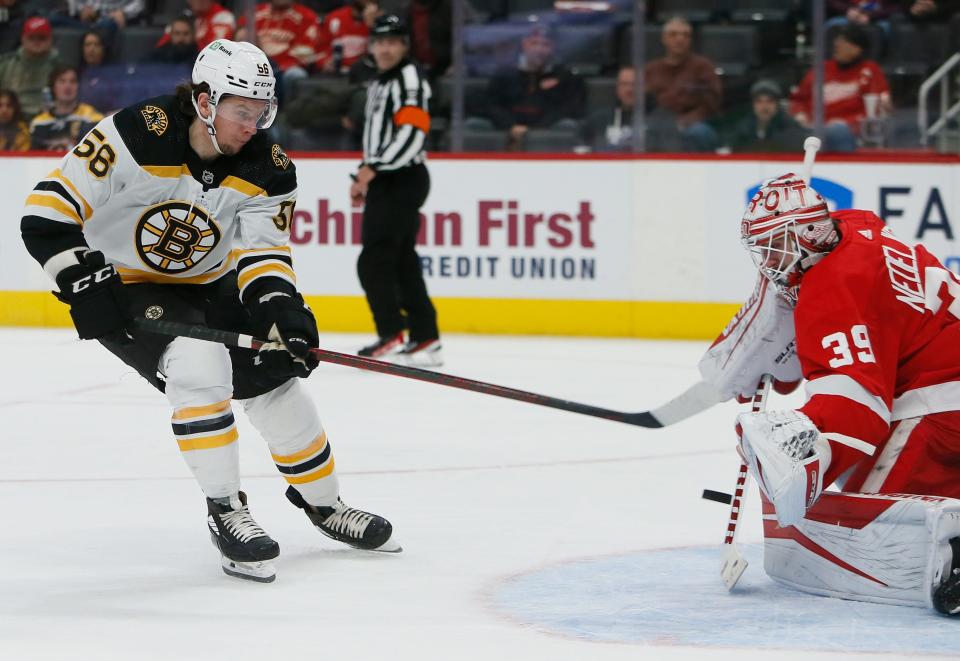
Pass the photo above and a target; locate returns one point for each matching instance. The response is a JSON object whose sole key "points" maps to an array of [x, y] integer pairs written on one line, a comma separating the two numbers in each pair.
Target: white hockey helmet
{"points": [[236, 68], [787, 229]]}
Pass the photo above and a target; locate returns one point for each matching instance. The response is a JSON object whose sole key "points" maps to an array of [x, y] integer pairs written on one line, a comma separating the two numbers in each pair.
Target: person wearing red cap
{"points": [[26, 70]]}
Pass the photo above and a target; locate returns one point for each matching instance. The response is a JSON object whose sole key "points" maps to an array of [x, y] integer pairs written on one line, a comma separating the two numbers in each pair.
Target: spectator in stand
{"points": [[862, 12], [344, 34], [26, 70], [96, 77], [287, 32], [61, 126], [431, 35], [847, 78], [537, 93], [11, 23], [686, 92], [107, 16], [211, 21], [611, 129], [14, 132], [930, 11], [769, 128], [180, 48]]}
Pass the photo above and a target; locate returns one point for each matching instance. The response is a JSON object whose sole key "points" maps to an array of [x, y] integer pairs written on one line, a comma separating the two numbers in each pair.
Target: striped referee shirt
{"points": [[397, 118]]}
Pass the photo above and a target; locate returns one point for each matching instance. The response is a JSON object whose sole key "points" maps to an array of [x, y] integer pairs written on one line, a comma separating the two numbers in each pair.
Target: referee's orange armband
{"points": [[415, 117]]}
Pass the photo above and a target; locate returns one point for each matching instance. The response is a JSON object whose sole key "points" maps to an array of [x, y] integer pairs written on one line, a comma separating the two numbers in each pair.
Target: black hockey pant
{"points": [[388, 266]]}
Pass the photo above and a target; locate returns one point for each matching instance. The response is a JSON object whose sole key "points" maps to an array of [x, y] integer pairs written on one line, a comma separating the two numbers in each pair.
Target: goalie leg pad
{"points": [[889, 549], [787, 455]]}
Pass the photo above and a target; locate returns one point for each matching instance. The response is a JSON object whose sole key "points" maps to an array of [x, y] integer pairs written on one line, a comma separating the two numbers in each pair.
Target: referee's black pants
{"points": [[389, 267]]}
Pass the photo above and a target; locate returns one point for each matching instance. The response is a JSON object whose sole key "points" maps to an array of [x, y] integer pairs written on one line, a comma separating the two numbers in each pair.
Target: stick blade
{"points": [[732, 566], [643, 419]]}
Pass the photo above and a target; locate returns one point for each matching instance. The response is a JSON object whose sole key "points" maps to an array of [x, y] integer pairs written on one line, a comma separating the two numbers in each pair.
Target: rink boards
{"points": [[608, 246]]}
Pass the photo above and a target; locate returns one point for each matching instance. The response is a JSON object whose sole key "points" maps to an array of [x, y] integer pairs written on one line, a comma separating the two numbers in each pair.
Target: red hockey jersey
{"points": [[217, 22], [345, 28], [878, 332], [843, 90], [288, 36]]}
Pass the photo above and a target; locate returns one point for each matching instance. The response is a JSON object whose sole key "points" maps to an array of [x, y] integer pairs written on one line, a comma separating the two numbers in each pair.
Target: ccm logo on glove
{"points": [[94, 278]]}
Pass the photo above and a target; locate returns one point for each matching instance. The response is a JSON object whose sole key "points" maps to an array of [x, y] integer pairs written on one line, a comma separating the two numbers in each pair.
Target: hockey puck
{"points": [[718, 496]]}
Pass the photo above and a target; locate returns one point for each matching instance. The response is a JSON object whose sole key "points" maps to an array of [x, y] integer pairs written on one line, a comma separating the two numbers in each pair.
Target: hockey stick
{"points": [[694, 399], [733, 564], [810, 148]]}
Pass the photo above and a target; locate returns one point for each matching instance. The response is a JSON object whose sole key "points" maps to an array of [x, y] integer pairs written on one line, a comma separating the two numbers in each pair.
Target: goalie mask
{"points": [[234, 68], [787, 229]]}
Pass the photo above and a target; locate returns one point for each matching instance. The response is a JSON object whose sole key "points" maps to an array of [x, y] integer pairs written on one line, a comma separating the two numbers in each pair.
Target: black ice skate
{"points": [[425, 353], [946, 598], [245, 548], [383, 347], [356, 528]]}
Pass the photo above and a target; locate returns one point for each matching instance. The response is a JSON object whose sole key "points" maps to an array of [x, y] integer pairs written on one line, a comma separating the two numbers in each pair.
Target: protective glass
{"points": [[251, 113]]}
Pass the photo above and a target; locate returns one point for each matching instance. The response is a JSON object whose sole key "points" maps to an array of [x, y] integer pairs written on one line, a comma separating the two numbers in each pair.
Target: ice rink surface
{"points": [[528, 533]]}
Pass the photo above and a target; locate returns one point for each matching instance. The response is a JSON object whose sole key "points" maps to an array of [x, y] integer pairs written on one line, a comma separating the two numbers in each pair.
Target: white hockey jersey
{"points": [[135, 190]]}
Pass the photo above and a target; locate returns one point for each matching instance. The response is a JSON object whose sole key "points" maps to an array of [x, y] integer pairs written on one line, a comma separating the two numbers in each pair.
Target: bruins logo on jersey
{"points": [[280, 159], [155, 118], [173, 237]]}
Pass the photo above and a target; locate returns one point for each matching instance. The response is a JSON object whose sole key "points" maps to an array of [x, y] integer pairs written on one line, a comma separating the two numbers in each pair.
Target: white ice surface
{"points": [[528, 533]]}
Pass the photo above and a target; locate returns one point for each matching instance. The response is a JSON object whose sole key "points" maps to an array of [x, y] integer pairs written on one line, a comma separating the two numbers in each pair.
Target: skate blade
{"points": [[388, 546], [261, 572], [417, 360]]}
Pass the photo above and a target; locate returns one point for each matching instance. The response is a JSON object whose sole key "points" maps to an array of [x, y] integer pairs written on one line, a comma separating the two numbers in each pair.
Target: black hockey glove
{"points": [[95, 294], [289, 325]]}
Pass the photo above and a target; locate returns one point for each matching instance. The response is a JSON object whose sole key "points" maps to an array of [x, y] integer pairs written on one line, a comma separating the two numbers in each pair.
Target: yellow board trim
{"points": [[311, 477], [56, 204], [309, 451], [190, 412], [350, 314], [209, 442]]}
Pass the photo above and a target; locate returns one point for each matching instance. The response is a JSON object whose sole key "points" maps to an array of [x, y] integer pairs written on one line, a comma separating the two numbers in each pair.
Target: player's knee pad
{"points": [[287, 419], [196, 372], [892, 549]]}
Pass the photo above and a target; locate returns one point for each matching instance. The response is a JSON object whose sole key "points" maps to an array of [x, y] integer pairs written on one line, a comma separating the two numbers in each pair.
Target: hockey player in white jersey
{"points": [[179, 208]]}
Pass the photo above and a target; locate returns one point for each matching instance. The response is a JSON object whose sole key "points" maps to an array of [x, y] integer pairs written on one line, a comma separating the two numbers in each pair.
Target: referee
{"points": [[394, 182]]}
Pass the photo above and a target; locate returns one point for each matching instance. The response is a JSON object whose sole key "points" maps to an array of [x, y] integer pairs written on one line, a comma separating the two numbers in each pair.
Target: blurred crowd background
{"points": [[517, 75]]}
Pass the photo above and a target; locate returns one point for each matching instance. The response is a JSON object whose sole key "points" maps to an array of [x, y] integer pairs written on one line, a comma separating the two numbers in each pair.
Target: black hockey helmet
{"points": [[389, 25]]}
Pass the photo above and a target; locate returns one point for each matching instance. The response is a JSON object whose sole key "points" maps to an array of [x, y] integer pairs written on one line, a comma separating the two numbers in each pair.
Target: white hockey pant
{"points": [[866, 547], [199, 387]]}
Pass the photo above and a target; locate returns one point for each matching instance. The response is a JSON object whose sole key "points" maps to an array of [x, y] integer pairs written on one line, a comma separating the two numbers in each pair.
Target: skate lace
{"points": [[349, 521], [241, 525]]}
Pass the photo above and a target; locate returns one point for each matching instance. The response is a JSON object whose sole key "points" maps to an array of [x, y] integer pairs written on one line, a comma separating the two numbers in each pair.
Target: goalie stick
{"points": [[733, 564], [696, 398]]}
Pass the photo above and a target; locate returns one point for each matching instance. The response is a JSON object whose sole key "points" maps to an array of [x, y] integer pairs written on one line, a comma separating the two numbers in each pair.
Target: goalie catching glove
{"points": [[93, 290], [788, 456], [291, 329], [759, 340]]}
